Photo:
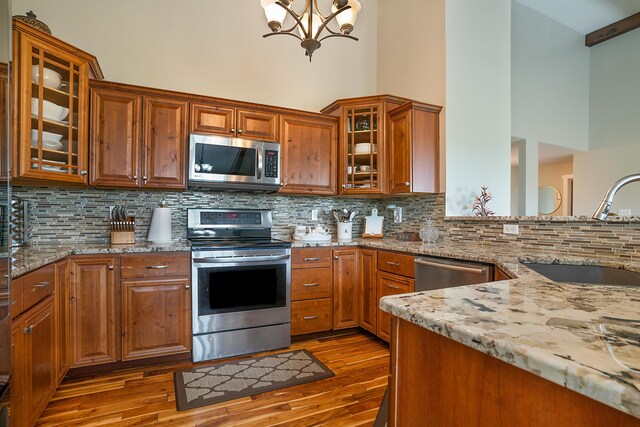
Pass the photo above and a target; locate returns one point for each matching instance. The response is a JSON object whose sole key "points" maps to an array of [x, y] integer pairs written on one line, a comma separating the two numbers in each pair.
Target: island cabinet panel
{"points": [[156, 317], [368, 291], [164, 144], [234, 121], [62, 317], [115, 134], [390, 284], [93, 311], [345, 288], [308, 154], [436, 381]]}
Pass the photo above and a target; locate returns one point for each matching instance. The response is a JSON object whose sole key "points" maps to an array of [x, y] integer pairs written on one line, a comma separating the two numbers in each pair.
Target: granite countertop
{"points": [[583, 337], [26, 259]]}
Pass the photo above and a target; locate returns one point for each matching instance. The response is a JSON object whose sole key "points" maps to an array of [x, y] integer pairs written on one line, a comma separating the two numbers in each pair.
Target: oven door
{"points": [[240, 292]]}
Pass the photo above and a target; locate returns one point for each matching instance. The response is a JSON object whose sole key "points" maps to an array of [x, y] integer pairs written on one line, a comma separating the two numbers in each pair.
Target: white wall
{"points": [[478, 87], [214, 48], [412, 54]]}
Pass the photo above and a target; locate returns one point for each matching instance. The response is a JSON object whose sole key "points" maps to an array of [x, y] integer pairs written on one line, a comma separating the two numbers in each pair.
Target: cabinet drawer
{"points": [[311, 257], [37, 285], [310, 283], [310, 316], [396, 263], [156, 265], [16, 297]]}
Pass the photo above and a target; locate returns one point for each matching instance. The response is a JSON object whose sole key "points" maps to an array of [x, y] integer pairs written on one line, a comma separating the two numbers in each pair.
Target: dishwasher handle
{"points": [[463, 269]]}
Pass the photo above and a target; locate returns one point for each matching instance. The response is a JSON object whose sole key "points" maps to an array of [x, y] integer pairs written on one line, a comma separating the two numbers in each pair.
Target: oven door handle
{"points": [[230, 260]]}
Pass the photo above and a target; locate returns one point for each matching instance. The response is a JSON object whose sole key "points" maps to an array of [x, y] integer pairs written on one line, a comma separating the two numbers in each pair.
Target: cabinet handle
{"points": [[83, 173], [312, 259], [310, 317], [233, 130], [187, 287], [40, 284], [156, 267], [309, 285], [389, 285], [407, 183], [239, 130], [28, 329], [395, 264]]}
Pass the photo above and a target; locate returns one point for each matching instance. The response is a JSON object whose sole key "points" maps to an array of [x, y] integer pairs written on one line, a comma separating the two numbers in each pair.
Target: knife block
{"points": [[123, 232]]}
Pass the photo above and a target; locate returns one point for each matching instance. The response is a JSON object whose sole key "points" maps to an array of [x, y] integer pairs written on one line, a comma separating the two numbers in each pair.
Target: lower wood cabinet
{"points": [[368, 291], [345, 288], [62, 317], [311, 289], [93, 311], [390, 284], [34, 362], [310, 316], [156, 317]]}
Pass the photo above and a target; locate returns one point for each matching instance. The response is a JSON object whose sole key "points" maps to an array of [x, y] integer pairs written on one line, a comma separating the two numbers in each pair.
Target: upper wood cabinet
{"points": [[377, 154], [414, 149], [308, 154], [52, 99], [93, 311], [234, 121], [138, 137]]}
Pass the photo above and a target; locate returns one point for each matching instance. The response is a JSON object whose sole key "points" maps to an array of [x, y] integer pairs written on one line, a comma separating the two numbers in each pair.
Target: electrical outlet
{"points": [[314, 214], [510, 229], [624, 212]]}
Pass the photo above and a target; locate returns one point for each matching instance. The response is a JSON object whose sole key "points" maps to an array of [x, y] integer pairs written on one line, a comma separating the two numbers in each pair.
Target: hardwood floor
{"points": [[145, 396]]}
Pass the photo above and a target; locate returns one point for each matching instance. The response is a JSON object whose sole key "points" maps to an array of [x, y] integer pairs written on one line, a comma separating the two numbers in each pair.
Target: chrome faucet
{"points": [[603, 210]]}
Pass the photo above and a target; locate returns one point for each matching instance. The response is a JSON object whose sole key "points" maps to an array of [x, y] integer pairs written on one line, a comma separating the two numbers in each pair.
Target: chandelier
{"points": [[310, 22]]}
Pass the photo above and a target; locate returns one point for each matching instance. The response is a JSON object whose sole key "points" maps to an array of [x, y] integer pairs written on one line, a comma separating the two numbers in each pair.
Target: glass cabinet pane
{"points": [[362, 140]]}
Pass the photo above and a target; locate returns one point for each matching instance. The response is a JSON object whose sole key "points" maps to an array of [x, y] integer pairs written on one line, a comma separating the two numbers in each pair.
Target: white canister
{"points": [[345, 230]]}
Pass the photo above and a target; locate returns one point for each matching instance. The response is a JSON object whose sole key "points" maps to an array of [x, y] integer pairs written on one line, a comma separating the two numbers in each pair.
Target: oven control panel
{"points": [[200, 221], [270, 164], [230, 218]]}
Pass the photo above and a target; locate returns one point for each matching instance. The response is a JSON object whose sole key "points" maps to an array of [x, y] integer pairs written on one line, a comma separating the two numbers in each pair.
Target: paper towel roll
{"points": [[160, 230]]}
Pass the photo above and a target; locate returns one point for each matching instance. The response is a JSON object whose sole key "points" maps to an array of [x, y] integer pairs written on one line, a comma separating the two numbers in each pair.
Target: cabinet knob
{"points": [[344, 185], [111, 267], [83, 173], [282, 184], [187, 287], [239, 130], [135, 177], [28, 329], [233, 130], [407, 183], [144, 178], [335, 257]]}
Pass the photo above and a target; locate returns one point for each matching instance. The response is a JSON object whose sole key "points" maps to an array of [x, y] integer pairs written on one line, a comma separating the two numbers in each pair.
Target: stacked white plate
{"points": [[49, 110], [365, 148], [50, 140]]}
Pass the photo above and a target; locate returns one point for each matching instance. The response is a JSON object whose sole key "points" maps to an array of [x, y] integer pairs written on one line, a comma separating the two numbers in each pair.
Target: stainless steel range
{"points": [[241, 297]]}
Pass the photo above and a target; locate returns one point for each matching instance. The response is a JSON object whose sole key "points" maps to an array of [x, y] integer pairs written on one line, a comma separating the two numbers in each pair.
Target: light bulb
{"points": [[316, 21], [347, 18], [275, 14]]}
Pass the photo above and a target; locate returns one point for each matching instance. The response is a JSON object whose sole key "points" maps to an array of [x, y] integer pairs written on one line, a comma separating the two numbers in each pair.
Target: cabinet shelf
{"points": [[53, 126], [57, 96], [51, 155]]}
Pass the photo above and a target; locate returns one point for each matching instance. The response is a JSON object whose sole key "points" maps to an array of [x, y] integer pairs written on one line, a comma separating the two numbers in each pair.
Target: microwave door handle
{"points": [[260, 163]]}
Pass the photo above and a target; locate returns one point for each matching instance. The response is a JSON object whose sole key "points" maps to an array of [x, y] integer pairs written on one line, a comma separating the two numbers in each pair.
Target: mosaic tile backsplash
{"points": [[81, 215]]}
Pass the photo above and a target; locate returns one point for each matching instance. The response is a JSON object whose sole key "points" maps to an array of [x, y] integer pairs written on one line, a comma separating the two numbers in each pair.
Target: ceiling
{"points": [[585, 16], [547, 153]]}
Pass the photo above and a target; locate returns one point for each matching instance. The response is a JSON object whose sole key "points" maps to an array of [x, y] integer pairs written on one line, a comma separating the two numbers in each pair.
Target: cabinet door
{"points": [[18, 367], [39, 328], [308, 150], [390, 284], [115, 138], [257, 125], [368, 291], [164, 143], [345, 288], [213, 119], [156, 317], [93, 311], [400, 153], [62, 317], [52, 118]]}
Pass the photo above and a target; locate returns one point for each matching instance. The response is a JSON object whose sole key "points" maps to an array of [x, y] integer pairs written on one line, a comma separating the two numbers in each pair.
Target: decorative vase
{"points": [[428, 233], [30, 19]]}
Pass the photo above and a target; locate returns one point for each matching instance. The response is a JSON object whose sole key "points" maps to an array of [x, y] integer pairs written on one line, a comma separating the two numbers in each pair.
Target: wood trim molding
{"points": [[613, 30]]}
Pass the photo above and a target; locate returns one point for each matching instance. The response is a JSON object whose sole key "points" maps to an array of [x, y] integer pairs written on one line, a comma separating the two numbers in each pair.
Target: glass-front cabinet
{"points": [[52, 114], [363, 133]]}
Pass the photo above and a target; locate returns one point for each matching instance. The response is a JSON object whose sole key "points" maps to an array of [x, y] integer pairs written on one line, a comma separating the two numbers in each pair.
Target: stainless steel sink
{"points": [[587, 274]]}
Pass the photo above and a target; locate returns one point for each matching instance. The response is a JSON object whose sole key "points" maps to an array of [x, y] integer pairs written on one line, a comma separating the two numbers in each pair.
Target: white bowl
{"points": [[50, 110], [365, 148], [48, 144], [51, 79], [48, 136]]}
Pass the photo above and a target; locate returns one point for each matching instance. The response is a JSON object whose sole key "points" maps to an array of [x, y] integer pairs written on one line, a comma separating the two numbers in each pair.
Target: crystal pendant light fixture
{"points": [[310, 22]]}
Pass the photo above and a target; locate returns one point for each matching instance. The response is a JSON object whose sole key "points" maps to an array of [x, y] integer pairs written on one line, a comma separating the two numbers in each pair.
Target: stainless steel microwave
{"points": [[233, 163]]}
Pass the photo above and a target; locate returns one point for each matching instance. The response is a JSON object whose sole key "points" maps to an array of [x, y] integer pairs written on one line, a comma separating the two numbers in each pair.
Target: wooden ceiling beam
{"points": [[613, 30]]}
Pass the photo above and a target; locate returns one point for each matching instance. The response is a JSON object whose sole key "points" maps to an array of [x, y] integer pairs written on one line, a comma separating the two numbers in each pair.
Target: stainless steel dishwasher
{"points": [[437, 273]]}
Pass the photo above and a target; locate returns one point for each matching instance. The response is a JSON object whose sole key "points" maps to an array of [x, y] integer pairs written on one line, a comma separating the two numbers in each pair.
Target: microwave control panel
{"points": [[270, 164]]}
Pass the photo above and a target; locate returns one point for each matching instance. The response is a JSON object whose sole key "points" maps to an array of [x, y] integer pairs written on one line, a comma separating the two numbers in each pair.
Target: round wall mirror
{"points": [[549, 200]]}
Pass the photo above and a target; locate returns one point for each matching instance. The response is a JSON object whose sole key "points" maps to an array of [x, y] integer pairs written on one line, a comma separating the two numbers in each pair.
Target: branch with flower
{"points": [[479, 206]]}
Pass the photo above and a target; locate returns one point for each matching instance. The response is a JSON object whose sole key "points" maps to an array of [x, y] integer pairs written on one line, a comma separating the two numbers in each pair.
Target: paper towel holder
{"points": [[160, 228]]}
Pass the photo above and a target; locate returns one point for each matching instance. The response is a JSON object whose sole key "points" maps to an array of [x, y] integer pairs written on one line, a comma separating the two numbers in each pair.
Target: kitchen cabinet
{"points": [[233, 121], [34, 362], [345, 288], [308, 154], [156, 305], [138, 137], [62, 317], [378, 151], [311, 290], [93, 310], [368, 290], [52, 100], [390, 284], [414, 149]]}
